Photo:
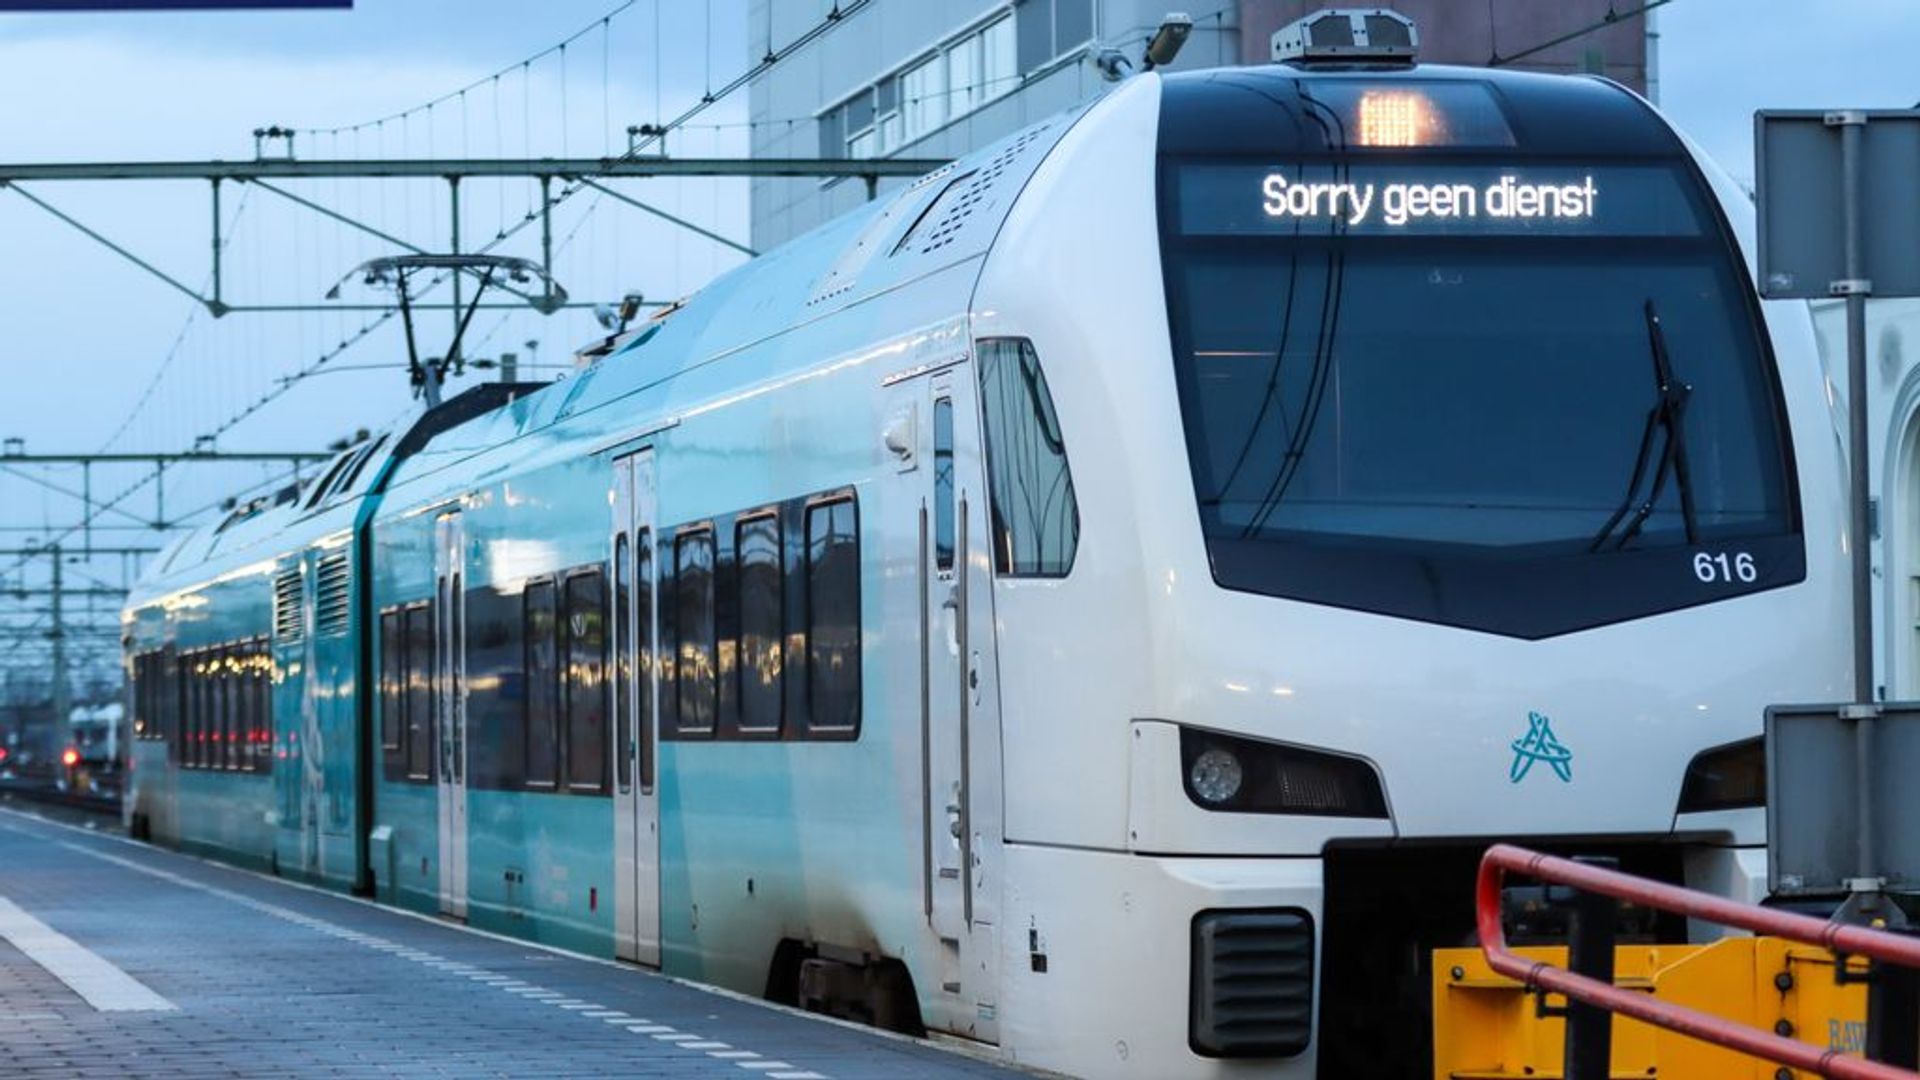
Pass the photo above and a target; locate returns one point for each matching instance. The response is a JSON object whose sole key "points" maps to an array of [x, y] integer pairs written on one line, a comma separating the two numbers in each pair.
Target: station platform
{"points": [[119, 959]]}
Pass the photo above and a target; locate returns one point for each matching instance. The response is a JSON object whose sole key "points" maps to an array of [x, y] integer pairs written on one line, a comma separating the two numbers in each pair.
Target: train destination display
{"points": [[1370, 198], [1400, 203]]}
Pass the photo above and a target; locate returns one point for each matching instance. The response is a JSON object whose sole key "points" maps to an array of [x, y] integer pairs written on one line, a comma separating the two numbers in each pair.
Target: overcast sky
{"points": [[83, 334]]}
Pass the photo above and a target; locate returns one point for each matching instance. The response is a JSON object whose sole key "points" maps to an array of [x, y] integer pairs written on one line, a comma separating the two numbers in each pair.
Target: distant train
{"points": [[1096, 601]]}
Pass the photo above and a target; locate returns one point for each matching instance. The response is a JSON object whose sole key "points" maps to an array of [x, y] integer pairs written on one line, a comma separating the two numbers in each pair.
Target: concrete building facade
{"points": [[938, 78]]}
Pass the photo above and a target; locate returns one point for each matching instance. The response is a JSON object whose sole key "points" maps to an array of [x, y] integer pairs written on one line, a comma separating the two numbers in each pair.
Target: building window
{"points": [[925, 85], [1000, 63], [964, 76], [1036, 520], [957, 77], [757, 559], [586, 634], [1051, 28], [696, 688], [543, 683], [833, 616]]}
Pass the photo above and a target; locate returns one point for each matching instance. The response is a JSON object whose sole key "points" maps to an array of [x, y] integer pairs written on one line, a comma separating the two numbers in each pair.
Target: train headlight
{"points": [[1730, 777], [1248, 776], [1215, 776]]}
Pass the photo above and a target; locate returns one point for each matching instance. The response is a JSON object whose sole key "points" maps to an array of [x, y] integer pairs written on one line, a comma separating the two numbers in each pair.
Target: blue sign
{"points": [[1539, 744]]}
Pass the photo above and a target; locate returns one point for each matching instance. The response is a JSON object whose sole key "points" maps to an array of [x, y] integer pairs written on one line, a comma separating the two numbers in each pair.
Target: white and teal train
{"points": [[1095, 602]]}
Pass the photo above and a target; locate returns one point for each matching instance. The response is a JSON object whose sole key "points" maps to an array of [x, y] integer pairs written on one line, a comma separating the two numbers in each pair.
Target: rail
{"points": [[1843, 939], [98, 804]]}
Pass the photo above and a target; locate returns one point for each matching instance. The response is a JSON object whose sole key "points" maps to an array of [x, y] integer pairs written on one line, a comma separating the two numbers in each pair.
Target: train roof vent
{"points": [[1343, 35], [288, 627], [332, 598], [965, 194], [845, 271]]}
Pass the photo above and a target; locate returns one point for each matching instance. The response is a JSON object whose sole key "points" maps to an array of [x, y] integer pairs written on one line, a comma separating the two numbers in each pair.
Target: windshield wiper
{"points": [[1668, 415]]}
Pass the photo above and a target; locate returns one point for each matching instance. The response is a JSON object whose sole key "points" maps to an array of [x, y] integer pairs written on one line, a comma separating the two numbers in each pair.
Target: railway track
{"points": [[31, 792]]}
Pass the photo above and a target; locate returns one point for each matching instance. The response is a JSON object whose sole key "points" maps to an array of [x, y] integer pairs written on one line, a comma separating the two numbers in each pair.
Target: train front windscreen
{"points": [[1520, 395]]}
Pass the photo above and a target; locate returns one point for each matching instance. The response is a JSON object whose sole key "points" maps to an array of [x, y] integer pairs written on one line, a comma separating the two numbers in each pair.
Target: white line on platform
{"points": [[85, 972], [531, 992]]}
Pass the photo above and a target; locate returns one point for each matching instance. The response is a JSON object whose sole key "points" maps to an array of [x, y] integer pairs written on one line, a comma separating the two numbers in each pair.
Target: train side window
{"points": [[757, 562], [140, 684], [1036, 519], [419, 624], [190, 715], [393, 700], [203, 709], [224, 707], [147, 695], [187, 705], [943, 484], [263, 690], [239, 708], [586, 682], [206, 723], [170, 704], [833, 617], [496, 684], [696, 689], [246, 710], [645, 655], [456, 637], [543, 682], [620, 679]]}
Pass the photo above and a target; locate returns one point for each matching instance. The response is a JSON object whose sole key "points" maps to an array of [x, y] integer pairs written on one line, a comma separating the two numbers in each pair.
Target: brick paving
{"points": [[273, 980]]}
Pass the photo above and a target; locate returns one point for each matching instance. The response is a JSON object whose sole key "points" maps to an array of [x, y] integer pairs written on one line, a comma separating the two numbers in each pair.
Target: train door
{"points": [[450, 709], [636, 802], [959, 706]]}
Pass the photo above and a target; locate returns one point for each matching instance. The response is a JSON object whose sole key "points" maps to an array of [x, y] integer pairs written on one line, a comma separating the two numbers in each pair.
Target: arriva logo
{"points": [[1539, 744]]}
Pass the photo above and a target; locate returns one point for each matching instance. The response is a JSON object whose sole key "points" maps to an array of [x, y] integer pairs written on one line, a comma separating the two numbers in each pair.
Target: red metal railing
{"points": [[1840, 938]]}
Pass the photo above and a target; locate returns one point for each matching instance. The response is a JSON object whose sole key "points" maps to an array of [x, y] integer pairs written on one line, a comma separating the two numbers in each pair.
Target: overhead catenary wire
{"points": [[450, 95], [772, 58], [1611, 17]]}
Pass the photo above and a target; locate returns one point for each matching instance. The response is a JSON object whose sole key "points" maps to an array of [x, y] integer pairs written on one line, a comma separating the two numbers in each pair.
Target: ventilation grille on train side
{"points": [[1252, 992], [288, 627], [331, 597], [948, 215]]}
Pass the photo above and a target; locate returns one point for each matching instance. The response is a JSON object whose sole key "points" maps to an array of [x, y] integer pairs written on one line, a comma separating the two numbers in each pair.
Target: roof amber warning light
{"points": [[1398, 118]]}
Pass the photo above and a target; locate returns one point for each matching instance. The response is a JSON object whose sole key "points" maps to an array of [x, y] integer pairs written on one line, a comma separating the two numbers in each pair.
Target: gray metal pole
{"points": [[62, 693], [1855, 287], [453, 205], [546, 234], [215, 304]]}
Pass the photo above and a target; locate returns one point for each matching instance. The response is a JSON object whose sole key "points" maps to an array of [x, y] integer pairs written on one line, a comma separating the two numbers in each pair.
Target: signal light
{"points": [[70, 757]]}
